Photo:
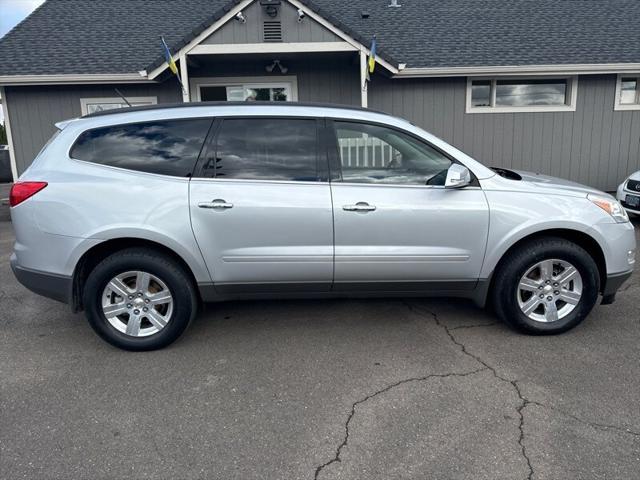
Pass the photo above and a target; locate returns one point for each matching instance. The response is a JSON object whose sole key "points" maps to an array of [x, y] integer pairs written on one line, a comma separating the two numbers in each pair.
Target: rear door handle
{"points": [[215, 204], [359, 207]]}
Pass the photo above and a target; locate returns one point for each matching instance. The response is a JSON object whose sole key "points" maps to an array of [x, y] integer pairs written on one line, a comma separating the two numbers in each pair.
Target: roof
{"points": [[116, 37]]}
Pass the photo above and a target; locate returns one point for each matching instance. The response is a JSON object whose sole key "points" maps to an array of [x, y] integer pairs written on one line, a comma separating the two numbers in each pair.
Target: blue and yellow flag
{"points": [[171, 62], [372, 56]]}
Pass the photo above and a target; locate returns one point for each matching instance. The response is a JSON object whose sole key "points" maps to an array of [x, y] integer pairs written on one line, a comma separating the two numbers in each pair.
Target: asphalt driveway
{"points": [[349, 389]]}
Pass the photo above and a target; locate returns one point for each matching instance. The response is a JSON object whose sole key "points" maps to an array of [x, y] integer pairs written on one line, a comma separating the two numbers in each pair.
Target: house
{"points": [[550, 86]]}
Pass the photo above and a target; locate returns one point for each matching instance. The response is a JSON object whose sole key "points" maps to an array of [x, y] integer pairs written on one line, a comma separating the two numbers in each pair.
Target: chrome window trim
{"points": [[247, 180], [294, 182]]}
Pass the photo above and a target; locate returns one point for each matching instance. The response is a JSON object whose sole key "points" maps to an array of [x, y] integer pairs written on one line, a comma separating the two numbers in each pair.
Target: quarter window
{"points": [[380, 155], [514, 95], [266, 149], [164, 147]]}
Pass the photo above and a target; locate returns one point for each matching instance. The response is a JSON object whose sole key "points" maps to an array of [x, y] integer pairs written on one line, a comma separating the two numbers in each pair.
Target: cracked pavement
{"points": [[331, 389]]}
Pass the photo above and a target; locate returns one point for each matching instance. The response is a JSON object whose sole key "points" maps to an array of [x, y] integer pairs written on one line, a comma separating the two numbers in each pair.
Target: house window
{"points": [[241, 89], [521, 94], [628, 92], [92, 105]]}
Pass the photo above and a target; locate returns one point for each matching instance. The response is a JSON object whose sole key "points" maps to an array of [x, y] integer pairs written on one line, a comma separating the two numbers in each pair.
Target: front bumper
{"points": [[621, 195], [612, 284], [56, 287]]}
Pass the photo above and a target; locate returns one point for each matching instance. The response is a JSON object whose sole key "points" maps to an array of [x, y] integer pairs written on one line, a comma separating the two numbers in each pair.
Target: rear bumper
{"points": [[56, 287], [612, 284]]}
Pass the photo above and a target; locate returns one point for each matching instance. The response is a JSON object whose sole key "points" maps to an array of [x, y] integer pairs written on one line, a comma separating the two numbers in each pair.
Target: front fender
{"points": [[517, 215]]}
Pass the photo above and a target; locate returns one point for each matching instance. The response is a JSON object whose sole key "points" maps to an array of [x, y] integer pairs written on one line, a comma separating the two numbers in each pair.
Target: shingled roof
{"points": [[116, 36]]}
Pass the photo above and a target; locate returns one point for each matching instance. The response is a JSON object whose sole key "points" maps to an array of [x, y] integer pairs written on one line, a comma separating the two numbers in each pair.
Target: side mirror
{"points": [[458, 176]]}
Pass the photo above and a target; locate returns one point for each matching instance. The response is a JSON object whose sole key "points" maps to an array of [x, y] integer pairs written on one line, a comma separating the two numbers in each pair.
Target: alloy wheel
{"points": [[549, 290], [137, 303]]}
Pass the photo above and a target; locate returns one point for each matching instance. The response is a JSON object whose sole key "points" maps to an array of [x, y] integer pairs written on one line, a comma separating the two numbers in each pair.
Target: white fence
{"points": [[365, 152]]}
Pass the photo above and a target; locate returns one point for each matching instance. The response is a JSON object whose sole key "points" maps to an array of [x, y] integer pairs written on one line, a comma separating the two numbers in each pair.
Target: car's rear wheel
{"points": [[546, 286], [139, 299]]}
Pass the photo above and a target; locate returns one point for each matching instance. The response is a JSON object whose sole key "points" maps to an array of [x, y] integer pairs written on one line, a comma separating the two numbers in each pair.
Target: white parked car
{"points": [[629, 193]]}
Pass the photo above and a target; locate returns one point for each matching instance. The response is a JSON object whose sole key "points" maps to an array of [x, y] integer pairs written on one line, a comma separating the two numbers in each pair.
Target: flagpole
{"points": [[364, 97], [174, 68]]}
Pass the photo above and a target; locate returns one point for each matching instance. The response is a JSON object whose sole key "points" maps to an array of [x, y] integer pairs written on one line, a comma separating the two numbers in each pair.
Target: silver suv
{"points": [[138, 215]]}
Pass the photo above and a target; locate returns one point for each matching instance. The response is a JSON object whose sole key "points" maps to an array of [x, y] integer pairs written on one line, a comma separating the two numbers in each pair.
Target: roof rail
{"points": [[226, 104]]}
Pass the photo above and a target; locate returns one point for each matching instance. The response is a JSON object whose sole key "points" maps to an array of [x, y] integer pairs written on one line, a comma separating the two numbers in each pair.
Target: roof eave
{"points": [[138, 77], [566, 69]]}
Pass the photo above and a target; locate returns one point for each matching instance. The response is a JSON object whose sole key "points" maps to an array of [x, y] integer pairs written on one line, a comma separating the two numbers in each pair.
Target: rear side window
{"points": [[266, 149], [168, 147]]}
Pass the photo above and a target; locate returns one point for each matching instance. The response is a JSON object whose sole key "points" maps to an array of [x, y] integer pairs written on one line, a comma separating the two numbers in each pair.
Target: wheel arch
{"points": [[582, 239], [99, 252]]}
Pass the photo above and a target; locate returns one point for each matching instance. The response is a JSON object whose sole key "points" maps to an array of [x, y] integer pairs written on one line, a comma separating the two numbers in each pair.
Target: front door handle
{"points": [[217, 203], [359, 207]]}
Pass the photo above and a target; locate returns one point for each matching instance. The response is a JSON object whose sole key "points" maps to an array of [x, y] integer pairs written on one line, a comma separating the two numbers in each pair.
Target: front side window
{"points": [[168, 147], [266, 149], [380, 155], [537, 94]]}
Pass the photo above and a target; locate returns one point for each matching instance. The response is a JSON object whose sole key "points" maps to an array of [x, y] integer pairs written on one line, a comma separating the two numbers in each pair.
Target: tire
{"points": [[170, 296], [510, 297]]}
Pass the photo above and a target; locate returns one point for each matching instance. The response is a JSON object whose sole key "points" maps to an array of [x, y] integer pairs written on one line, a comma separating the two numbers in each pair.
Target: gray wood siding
{"points": [[332, 78], [252, 32], [594, 145], [33, 111]]}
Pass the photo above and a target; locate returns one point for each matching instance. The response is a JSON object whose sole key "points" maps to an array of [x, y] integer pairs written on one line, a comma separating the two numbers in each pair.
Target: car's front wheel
{"points": [[546, 286], [139, 299]]}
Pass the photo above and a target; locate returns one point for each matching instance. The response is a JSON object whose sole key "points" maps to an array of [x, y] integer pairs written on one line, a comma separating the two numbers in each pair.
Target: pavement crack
{"points": [[479, 325], [345, 440], [523, 401], [601, 426]]}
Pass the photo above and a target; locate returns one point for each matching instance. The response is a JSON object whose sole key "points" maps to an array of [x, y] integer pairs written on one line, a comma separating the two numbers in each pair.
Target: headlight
{"points": [[611, 206]]}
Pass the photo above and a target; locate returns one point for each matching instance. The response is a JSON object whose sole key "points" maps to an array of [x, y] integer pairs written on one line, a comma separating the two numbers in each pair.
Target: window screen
{"points": [[164, 147], [375, 154], [266, 149]]}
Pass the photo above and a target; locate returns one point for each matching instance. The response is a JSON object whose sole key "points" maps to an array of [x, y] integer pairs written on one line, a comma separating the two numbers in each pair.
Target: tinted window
{"points": [[374, 154], [165, 147], [265, 149]]}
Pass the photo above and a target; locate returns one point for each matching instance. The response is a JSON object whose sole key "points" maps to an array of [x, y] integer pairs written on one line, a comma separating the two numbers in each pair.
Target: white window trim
{"points": [[197, 82], [85, 102], [571, 107], [629, 106]]}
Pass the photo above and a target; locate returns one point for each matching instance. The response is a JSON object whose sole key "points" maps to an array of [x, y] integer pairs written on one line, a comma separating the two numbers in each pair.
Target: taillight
{"points": [[20, 191]]}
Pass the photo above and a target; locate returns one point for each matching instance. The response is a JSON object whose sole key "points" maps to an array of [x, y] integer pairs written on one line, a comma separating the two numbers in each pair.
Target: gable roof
{"points": [[116, 37]]}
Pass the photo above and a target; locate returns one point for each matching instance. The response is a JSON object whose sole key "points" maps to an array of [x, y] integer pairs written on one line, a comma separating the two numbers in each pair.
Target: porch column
{"points": [[364, 100], [7, 127], [184, 78]]}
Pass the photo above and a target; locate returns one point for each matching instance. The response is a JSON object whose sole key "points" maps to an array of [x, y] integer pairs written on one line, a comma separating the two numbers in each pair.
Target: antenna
{"points": [[122, 97]]}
